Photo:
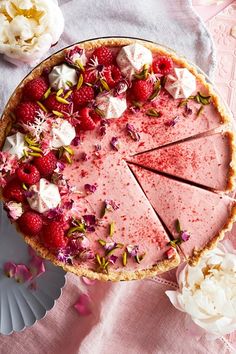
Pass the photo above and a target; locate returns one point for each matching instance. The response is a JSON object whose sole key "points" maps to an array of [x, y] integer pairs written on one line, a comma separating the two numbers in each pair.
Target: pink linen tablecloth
{"points": [[134, 317]]}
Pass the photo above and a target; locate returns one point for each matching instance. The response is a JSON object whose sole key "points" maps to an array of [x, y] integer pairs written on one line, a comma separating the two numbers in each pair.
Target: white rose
{"points": [[207, 292], [28, 28]]}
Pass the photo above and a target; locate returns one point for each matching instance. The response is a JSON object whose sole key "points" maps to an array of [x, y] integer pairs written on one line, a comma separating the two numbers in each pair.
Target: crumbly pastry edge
{"points": [[163, 265], [197, 254]]}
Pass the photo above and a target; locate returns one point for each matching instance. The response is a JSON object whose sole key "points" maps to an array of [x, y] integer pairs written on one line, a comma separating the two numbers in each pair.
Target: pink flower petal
{"points": [[9, 269], [83, 305], [36, 266], [88, 281], [22, 273]]}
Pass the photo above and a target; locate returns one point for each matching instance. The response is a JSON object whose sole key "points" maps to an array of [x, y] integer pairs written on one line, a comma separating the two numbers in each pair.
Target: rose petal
{"points": [[22, 273], [83, 305], [88, 281], [36, 266], [9, 269]]}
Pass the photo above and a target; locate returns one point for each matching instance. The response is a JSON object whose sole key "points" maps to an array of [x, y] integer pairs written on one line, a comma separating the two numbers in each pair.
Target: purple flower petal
{"points": [[83, 305], [132, 250], [90, 219], [76, 141], [112, 259], [121, 87], [9, 269], [22, 273], [111, 205], [184, 235], [88, 281], [115, 143], [187, 110], [73, 54], [109, 246], [90, 188], [172, 122], [132, 131], [53, 213]]}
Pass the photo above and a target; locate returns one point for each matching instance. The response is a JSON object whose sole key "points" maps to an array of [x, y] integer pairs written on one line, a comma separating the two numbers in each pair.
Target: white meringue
{"points": [[61, 75], [62, 133], [182, 84], [15, 145], [132, 58], [45, 196], [111, 106]]}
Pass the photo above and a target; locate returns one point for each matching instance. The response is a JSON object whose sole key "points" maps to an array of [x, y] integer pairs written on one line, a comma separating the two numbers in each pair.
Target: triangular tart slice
{"points": [[203, 214], [206, 161]]}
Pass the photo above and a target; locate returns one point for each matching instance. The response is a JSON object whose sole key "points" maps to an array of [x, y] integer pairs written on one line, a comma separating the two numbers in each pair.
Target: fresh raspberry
{"points": [[46, 164], [95, 117], [52, 104], [28, 174], [14, 191], [87, 122], [163, 65], [142, 90], [26, 112], [35, 89], [89, 76], [30, 223], [103, 55], [82, 96], [53, 236], [112, 75]]}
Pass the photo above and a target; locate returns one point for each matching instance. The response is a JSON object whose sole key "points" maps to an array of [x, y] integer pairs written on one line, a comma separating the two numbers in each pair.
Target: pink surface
{"points": [[212, 10], [133, 317]]}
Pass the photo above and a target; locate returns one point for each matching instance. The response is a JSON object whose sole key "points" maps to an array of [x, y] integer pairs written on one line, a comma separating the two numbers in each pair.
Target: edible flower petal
{"points": [[14, 210], [112, 259], [90, 188], [115, 143], [88, 281], [22, 273], [132, 131], [83, 305], [132, 250], [9, 269], [36, 266]]}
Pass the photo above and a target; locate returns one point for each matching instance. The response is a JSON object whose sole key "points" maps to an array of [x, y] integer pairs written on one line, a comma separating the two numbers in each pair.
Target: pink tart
{"points": [[73, 134], [205, 161], [199, 213]]}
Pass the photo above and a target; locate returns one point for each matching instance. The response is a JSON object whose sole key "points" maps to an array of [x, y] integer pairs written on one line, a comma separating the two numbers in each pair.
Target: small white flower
{"points": [[207, 292], [28, 28]]}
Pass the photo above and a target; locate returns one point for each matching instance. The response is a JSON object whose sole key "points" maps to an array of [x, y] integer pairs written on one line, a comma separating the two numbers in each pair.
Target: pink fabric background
{"points": [[134, 317]]}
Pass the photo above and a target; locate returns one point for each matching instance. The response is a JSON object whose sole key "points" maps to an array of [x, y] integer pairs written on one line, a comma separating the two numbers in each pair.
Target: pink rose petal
{"points": [[9, 269], [36, 266], [88, 281], [22, 273], [83, 305]]}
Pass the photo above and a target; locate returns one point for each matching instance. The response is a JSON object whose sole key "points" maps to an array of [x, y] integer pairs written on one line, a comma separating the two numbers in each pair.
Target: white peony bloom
{"points": [[207, 292], [208, 2], [28, 28]]}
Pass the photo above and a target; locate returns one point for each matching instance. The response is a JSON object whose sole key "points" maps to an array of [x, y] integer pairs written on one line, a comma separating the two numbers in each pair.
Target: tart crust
{"points": [[161, 266]]}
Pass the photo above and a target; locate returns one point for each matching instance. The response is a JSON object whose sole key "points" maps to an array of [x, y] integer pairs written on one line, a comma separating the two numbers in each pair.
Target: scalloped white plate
{"points": [[20, 306]]}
